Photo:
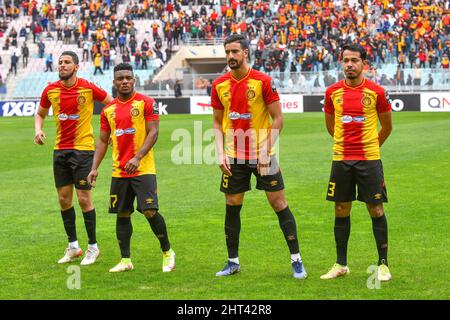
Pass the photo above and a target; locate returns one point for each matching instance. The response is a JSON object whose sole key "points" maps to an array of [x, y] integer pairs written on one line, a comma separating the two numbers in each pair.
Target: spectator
{"points": [[98, 63], [41, 48], [430, 81], [49, 63], [14, 61], [177, 89], [25, 54], [87, 46], [137, 60]]}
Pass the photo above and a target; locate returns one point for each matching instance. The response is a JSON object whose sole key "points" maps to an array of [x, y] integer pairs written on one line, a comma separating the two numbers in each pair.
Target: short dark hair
{"points": [[355, 48], [237, 38], [72, 54], [123, 66]]}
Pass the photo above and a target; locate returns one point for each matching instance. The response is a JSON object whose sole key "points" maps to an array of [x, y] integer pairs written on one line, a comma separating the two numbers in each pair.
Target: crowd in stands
{"points": [[285, 36]]}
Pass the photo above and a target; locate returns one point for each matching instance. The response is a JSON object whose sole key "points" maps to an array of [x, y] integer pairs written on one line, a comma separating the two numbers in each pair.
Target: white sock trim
{"points": [[295, 257], [74, 245]]}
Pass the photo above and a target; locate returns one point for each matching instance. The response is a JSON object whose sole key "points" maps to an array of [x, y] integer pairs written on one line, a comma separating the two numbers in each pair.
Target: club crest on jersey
{"points": [[134, 112], [366, 101], [251, 94], [81, 100]]}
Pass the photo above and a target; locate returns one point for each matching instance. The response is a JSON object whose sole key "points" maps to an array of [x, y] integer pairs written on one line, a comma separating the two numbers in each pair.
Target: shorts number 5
{"points": [[331, 187], [225, 181]]}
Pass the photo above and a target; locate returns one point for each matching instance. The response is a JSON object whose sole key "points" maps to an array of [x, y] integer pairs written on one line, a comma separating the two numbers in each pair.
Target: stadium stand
{"points": [[296, 42]]}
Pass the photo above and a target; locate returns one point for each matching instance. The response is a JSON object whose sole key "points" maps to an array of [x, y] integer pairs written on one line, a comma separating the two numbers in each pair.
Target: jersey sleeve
{"points": [[383, 102], [215, 101], [270, 93], [104, 123], [98, 93], [328, 106], [45, 102], [151, 110]]}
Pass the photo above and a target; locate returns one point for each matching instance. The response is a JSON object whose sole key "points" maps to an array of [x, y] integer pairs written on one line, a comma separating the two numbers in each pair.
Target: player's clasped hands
{"points": [[39, 137]]}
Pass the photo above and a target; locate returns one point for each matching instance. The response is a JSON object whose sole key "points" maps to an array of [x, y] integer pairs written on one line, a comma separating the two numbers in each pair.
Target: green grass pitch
{"points": [[416, 161]]}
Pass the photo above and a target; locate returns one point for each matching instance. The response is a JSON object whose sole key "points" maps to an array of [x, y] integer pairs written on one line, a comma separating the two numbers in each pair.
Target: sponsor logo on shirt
{"points": [[63, 116], [237, 115], [359, 119], [346, 119], [119, 132], [130, 131], [74, 117]]}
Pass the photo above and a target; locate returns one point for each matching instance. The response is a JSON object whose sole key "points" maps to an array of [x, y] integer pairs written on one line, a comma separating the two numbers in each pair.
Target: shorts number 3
{"points": [[332, 186]]}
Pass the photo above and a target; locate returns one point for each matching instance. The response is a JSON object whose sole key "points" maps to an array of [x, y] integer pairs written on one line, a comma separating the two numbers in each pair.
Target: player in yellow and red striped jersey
{"points": [[72, 99], [132, 122], [247, 121], [353, 108]]}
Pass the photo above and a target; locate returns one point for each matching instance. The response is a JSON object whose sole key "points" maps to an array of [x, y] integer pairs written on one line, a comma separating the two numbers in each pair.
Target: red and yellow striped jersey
{"points": [[356, 112], [72, 109], [246, 119], [126, 121]]}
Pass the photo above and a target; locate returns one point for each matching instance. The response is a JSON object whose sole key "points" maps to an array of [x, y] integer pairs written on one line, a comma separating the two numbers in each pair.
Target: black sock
{"points": [[124, 230], [380, 231], [341, 235], [158, 226], [68, 217], [289, 228], [232, 229], [89, 223]]}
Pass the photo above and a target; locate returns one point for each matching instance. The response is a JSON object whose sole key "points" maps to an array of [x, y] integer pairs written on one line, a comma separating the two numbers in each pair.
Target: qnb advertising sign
{"points": [[435, 102], [290, 103], [20, 108]]}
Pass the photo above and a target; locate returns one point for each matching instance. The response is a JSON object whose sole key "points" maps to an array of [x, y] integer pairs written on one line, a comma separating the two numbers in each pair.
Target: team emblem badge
{"points": [[251, 94], [134, 112], [81, 100], [366, 101]]}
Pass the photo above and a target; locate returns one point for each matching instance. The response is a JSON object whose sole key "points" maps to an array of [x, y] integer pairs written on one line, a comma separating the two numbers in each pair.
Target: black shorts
{"points": [[72, 167], [242, 171], [125, 190], [367, 175]]}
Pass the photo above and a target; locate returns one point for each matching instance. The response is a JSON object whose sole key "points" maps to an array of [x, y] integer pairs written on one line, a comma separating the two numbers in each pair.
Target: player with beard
{"points": [[353, 108], [72, 100], [247, 122]]}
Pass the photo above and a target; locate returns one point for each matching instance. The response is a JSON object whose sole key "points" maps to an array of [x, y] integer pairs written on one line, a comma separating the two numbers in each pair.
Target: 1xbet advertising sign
{"points": [[20, 108]]}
